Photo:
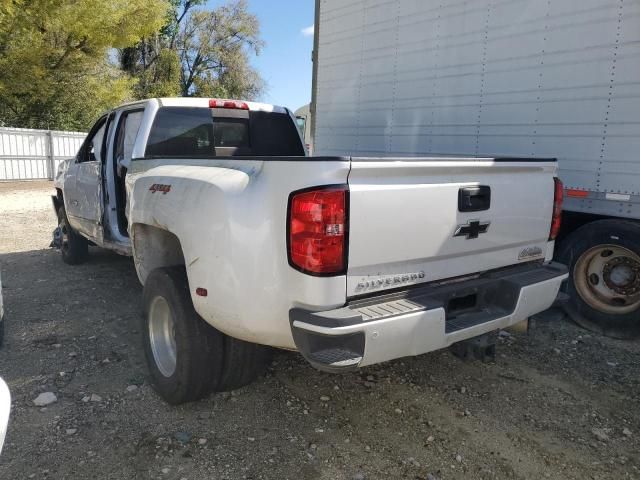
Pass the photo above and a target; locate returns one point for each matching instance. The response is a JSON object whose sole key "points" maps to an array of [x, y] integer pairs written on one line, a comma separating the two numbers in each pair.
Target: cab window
{"points": [[91, 150], [126, 134]]}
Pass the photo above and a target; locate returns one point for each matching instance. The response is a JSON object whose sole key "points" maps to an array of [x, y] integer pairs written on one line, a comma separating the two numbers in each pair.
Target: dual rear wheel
{"points": [[188, 358]]}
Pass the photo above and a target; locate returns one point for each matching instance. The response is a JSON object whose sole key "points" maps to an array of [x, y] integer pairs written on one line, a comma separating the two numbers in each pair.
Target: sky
{"points": [[286, 27]]}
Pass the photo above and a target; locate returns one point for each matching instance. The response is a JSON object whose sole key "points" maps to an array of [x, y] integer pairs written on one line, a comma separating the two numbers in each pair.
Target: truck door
{"points": [[126, 133], [83, 185]]}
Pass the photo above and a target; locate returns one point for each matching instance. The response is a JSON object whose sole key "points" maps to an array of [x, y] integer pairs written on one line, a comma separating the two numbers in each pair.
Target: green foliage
{"points": [[55, 70], [161, 78], [63, 62], [212, 49]]}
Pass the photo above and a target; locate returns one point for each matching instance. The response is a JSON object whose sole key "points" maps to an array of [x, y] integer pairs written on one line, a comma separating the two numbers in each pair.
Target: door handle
{"points": [[75, 203], [474, 199]]}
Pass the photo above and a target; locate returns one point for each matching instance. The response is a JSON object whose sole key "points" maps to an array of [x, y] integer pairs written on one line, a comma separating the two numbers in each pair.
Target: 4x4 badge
{"points": [[159, 187], [472, 229]]}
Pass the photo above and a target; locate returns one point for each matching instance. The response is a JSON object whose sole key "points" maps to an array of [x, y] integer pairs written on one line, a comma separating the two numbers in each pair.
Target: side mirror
{"points": [[5, 408]]}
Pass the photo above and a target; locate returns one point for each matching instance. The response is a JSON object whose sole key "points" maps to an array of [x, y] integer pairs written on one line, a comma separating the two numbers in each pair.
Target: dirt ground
{"points": [[558, 403]]}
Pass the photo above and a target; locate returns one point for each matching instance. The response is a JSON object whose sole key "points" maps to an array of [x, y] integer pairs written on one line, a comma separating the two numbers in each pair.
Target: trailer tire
{"points": [[604, 282], [73, 246]]}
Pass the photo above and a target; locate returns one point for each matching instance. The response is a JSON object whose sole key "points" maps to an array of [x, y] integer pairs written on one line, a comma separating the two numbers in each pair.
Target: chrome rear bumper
{"points": [[423, 319]]}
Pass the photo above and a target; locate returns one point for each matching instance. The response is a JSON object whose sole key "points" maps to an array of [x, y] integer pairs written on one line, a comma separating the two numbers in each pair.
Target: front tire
{"points": [[604, 283], [73, 246], [188, 358]]}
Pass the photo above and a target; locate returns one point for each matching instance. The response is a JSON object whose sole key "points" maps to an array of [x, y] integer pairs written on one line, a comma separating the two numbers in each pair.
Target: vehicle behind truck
{"points": [[242, 242], [518, 78]]}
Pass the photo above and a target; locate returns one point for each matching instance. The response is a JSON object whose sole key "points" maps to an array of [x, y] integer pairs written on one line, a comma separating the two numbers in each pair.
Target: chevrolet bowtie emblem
{"points": [[472, 229]]}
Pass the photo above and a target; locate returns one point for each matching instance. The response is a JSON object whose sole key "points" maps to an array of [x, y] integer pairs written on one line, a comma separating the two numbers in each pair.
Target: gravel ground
{"points": [[558, 403]]}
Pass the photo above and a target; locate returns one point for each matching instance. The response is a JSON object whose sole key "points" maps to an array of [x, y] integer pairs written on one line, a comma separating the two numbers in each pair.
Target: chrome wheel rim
{"points": [[162, 336], [607, 278]]}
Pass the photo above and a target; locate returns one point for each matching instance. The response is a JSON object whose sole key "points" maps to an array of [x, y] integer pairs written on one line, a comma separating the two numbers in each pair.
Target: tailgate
{"points": [[406, 225]]}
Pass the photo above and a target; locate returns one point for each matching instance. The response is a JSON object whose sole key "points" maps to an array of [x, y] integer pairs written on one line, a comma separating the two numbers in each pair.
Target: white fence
{"points": [[27, 154]]}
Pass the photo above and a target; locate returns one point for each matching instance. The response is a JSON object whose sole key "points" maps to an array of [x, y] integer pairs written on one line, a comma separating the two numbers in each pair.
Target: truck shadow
{"points": [[45, 298]]}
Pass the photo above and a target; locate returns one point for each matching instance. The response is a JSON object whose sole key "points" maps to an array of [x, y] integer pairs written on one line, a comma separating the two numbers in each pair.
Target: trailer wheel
{"points": [[604, 284], [73, 246]]}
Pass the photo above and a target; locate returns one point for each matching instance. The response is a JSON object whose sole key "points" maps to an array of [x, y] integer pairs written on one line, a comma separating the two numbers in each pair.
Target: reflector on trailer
{"points": [[572, 192]]}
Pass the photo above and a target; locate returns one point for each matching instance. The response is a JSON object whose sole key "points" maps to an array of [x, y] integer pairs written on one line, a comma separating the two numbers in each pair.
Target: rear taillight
{"points": [[317, 236], [556, 218]]}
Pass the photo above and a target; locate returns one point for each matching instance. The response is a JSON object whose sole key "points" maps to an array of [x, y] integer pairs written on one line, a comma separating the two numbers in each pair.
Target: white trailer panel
{"points": [[495, 78]]}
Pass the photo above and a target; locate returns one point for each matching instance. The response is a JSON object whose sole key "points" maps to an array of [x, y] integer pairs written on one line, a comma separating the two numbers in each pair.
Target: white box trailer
{"points": [[555, 78], [303, 120]]}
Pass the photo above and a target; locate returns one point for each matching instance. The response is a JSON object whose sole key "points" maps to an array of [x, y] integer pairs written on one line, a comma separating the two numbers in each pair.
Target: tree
{"points": [[153, 63], [214, 49], [154, 71], [211, 49], [55, 70]]}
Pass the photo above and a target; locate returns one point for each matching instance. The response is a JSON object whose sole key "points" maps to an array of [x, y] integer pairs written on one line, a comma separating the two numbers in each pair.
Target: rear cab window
{"points": [[198, 132]]}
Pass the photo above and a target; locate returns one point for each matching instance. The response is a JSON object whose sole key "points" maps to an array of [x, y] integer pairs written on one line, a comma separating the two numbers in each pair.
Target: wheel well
{"points": [[58, 200], [571, 221], [154, 248]]}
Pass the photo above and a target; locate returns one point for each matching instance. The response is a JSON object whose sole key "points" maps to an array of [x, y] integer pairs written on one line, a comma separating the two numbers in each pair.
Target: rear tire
{"points": [[244, 362], [604, 282], [197, 347], [73, 246], [188, 358]]}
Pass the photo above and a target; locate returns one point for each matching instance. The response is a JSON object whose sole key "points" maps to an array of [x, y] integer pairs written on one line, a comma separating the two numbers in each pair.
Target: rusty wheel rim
{"points": [[607, 278]]}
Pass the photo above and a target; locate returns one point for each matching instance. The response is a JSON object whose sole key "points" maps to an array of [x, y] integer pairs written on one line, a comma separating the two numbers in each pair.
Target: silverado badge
{"points": [[529, 253]]}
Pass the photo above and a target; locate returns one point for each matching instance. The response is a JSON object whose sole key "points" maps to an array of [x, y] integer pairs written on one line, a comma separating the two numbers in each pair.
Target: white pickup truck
{"points": [[242, 241]]}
